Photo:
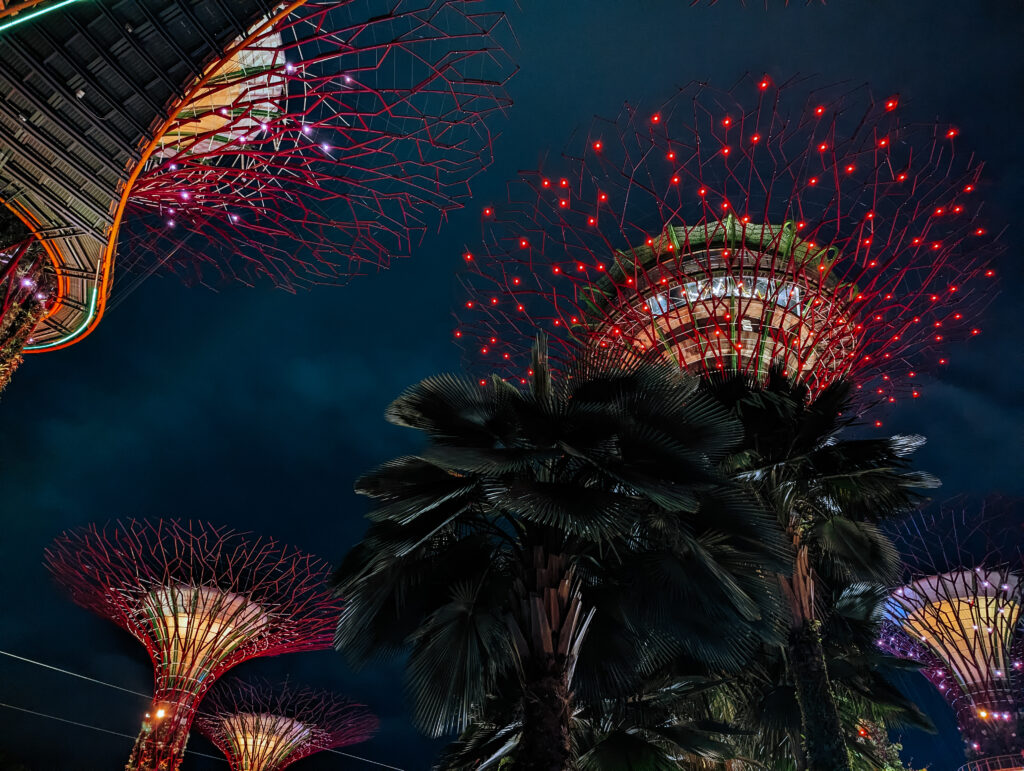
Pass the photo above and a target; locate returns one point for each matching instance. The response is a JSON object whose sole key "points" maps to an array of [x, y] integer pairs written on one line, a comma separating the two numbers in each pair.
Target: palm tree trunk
{"points": [[547, 709], [824, 742], [547, 630]]}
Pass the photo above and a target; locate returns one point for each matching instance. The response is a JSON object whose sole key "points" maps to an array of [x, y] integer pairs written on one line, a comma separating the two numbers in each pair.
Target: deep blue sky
{"points": [[257, 409]]}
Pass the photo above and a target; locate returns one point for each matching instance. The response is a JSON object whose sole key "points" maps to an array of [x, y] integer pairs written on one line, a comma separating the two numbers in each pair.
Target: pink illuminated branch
{"points": [[260, 728], [325, 148], [201, 599]]}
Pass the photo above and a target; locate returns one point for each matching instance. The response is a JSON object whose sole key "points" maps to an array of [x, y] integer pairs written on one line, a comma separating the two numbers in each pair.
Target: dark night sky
{"points": [[257, 409]]}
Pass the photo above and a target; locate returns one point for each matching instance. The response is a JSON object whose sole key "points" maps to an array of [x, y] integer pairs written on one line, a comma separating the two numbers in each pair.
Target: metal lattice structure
{"points": [[201, 599], [959, 614], [264, 728], [325, 147], [299, 143], [733, 230]]}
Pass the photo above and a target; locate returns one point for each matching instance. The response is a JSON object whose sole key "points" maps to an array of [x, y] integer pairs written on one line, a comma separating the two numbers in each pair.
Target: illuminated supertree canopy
{"points": [[202, 600], [959, 613], [324, 147], [260, 728], [736, 230], [295, 143]]}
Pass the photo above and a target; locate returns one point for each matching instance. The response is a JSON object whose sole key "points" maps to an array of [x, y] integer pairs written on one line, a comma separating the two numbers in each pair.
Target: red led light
{"points": [[546, 183], [488, 212], [597, 146], [812, 181], [819, 110], [671, 156], [822, 147], [655, 118], [756, 138], [890, 105], [467, 257], [763, 84], [563, 182]]}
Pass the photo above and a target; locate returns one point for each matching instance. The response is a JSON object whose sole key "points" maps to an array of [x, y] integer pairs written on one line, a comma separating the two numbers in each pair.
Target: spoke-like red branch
{"points": [[201, 599], [738, 230], [326, 148], [264, 728]]}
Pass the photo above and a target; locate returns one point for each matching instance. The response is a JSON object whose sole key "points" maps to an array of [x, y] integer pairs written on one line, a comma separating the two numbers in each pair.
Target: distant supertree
{"points": [[735, 230], [324, 146], [264, 728], [959, 613], [201, 599]]}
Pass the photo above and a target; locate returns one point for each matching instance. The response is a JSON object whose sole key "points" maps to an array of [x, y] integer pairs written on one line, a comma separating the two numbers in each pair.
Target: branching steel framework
{"points": [[323, 148], [299, 143], [959, 614], [201, 599], [264, 728], [732, 230]]}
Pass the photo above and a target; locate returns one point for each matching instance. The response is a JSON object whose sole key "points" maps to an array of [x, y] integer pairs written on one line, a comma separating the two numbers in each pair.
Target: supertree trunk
{"points": [[548, 630], [160, 745]]}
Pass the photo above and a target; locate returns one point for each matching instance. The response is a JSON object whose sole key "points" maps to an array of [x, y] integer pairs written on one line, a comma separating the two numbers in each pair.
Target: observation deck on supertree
{"points": [[260, 728], [735, 230], [959, 614], [295, 143], [202, 600]]}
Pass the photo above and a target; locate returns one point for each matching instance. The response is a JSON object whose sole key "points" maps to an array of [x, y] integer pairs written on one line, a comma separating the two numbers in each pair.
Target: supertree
{"points": [[202, 599], [958, 614], [323, 147], [738, 230], [299, 143], [264, 728]]}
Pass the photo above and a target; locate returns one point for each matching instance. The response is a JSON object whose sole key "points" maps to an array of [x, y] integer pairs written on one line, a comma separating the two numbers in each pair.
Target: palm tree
{"points": [[764, 701], [828, 495], [586, 507]]}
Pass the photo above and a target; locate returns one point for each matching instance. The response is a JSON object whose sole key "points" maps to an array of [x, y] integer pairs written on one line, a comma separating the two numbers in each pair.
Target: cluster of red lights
{"points": [[324, 148], [888, 206]]}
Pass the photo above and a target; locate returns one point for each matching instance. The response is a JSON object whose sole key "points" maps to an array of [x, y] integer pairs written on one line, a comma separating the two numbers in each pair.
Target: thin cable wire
{"points": [[75, 674], [95, 728], [145, 696]]}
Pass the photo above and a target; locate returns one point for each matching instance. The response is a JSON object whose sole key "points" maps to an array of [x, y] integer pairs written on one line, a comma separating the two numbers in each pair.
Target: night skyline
{"points": [[257, 409]]}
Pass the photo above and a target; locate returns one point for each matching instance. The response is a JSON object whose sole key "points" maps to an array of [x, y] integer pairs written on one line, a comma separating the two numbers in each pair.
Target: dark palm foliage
{"points": [[829, 496], [584, 508], [662, 726], [764, 699]]}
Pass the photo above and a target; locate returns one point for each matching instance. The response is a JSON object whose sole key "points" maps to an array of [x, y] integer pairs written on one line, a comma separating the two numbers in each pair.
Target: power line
{"points": [[95, 728], [143, 695], [75, 674]]}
